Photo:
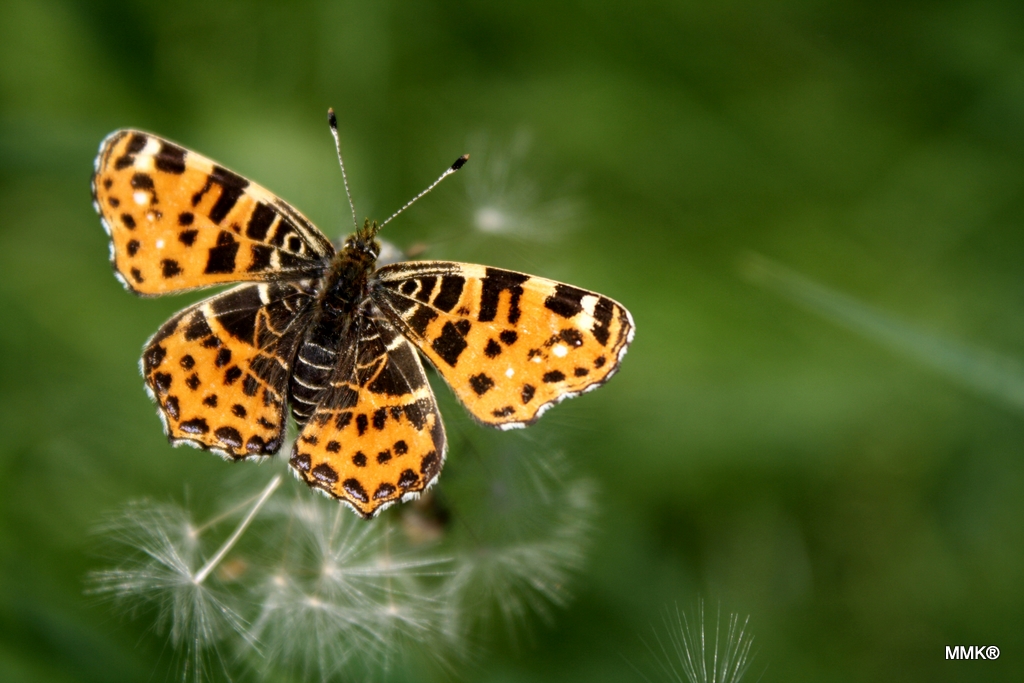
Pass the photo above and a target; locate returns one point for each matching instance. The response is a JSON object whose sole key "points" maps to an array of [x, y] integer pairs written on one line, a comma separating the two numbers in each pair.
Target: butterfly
{"points": [[329, 334]]}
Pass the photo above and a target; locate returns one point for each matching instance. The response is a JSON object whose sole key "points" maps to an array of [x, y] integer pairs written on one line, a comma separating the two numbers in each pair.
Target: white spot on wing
{"points": [[510, 372], [560, 351], [159, 244], [140, 197]]}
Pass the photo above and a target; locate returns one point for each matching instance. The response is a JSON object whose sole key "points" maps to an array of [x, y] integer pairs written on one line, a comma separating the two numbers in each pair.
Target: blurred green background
{"points": [[813, 210]]}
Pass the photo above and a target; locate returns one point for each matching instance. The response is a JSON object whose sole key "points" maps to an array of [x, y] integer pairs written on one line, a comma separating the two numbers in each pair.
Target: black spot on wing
{"points": [[229, 436], [257, 446], [325, 474], [154, 356], [449, 345], [422, 317], [407, 478], [430, 465], [493, 349], [162, 382], [426, 287], [260, 258], [450, 292], [232, 187], [571, 336], [400, 374], [237, 313], [221, 258], [259, 222], [417, 413], [250, 386], [170, 159], [494, 283], [566, 301], [172, 407], [481, 383], [197, 327], [169, 268], [194, 426], [553, 376], [603, 311], [136, 144], [383, 491], [300, 461], [355, 489]]}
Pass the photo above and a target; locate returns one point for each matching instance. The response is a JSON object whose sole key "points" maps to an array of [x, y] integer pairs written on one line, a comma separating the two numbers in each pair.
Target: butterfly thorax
{"points": [[342, 290]]}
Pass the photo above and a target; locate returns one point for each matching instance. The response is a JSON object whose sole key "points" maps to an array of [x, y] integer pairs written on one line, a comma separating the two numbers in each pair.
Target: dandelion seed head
{"points": [[529, 534], [160, 550], [690, 650], [490, 219], [317, 592], [504, 200]]}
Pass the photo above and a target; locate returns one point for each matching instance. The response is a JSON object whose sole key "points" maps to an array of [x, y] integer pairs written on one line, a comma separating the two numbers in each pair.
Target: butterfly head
{"points": [[363, 242]]}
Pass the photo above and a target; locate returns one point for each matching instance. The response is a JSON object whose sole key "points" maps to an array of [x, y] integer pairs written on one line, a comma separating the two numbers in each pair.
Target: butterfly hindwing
{"points": [[179, 221], [376, 435], [510, 345], [219, 369]]}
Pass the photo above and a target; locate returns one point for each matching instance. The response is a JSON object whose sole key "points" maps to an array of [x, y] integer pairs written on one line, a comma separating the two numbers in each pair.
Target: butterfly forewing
{"points": [[510, 345], [219, 370], [376, 435], [178, 221]]}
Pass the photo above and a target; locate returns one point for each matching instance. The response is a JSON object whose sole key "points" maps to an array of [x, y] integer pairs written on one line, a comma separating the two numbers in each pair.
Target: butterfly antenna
{"points": [[459, 163], [333, 121]]}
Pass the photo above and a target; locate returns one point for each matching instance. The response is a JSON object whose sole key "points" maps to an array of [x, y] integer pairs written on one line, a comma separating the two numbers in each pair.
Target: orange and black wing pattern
{"points": [[219, 369], [178, 221], [375, 436], [510, 345]]}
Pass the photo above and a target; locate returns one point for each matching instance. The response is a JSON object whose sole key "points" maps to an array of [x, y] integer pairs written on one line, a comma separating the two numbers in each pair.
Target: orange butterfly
{"points": [[328, 332]]}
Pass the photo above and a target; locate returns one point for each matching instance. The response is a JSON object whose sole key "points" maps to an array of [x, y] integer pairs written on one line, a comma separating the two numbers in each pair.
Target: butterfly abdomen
{"points": [[341, 291], [314, 365]]}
